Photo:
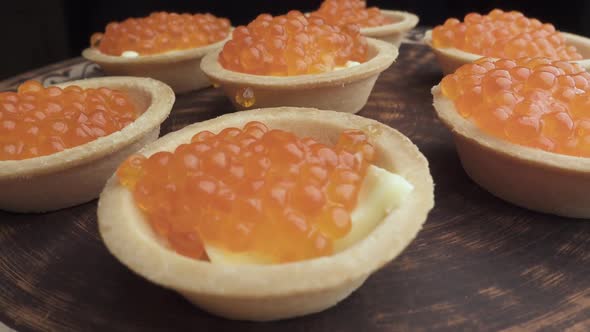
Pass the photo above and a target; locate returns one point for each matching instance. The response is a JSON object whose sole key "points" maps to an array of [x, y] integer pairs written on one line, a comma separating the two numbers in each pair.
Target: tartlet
{"points": [[270, 292], [394, 32], [77, 175], [528, 177], [179, 69], [450, 59], [344, 90]]}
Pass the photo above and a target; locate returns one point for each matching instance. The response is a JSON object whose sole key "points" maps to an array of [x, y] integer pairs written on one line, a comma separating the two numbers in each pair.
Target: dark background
{"points": [[36, 33]]}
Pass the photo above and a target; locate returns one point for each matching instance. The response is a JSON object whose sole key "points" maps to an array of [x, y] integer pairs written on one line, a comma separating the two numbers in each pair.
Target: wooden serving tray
{"points": [[478, 264]]}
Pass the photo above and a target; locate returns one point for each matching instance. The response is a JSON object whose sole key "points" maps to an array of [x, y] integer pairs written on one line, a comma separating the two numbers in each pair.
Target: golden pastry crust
{"points": [[179, 69], [78, 174], [450, 59], [278, 291], [528, 177], [393, 32], [344, 90]]}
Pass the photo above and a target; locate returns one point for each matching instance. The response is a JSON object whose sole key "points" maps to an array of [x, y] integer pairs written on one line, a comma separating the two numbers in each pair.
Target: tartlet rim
{"points": [[95, 55], [408, 22]]}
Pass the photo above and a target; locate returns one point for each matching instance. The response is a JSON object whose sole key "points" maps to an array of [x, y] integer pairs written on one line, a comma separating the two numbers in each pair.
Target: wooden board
{"points": [[478, 264]]}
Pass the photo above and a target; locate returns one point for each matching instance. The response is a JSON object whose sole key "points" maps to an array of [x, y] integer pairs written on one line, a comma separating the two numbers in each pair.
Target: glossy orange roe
{"points": [[161, 32], [37, 121], [292, 44], [251, 189], [529, 101], [341, 12], [504, 35]]}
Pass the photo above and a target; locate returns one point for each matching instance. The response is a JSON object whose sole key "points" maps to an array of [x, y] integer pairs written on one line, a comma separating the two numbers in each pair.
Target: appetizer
{"points": [[165, 46], [522, 131], [61, 143], [267, 214], [294, 60], [500, 34], [386, 25]]}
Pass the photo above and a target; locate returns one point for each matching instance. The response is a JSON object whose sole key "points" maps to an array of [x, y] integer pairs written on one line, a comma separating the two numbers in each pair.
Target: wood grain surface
{"points": [[479, 263]]}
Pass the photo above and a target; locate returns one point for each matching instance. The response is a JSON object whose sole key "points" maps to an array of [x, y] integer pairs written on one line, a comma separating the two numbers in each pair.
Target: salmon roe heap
{"points": [[504, 35], [251, 190], [535, 102], [341, 12], [37, 121], [292, 44], [161, 32]]}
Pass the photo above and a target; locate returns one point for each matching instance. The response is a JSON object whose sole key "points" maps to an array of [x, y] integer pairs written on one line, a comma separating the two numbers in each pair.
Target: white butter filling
{"points": [[130, 54], [348, 64], [380, 193]]}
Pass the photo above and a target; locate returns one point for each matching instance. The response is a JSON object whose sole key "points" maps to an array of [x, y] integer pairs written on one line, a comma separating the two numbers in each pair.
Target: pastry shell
{"points": [[77, 175], [179, 69], [528, 177], [450, 59], [344, 90], [270, 292], [393, 32]]}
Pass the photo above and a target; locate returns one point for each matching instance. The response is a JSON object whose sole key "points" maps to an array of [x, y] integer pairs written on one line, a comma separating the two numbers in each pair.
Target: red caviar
{"points": [[342, 12], [292, 44], [251, 189], [504, 35], [535, 102], [37, 121], [161, 32]]}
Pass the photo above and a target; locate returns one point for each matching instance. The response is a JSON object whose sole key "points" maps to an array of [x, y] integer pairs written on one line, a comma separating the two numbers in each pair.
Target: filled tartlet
{"points": [[386, 25], [59, 144], [294, 60], [267, 214], [522, 130], [165, 46], [500, 34]]}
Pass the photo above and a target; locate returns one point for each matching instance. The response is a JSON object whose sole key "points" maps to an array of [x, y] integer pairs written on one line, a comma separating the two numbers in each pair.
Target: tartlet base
{"points": [[528, 177], [179, 69], [78, 174], [270, 292], [344, 90]]}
